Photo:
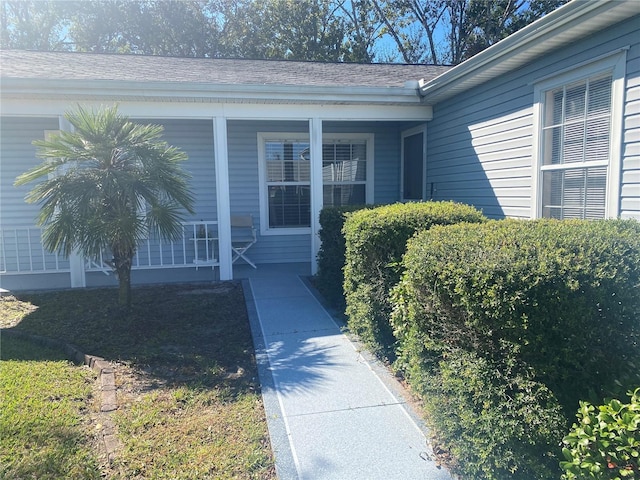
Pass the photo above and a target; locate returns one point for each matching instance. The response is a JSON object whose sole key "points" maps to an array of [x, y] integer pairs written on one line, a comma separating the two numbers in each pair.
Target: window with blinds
{"points": [[575, 149], [288, 178], [344, 172], [285, 177]]}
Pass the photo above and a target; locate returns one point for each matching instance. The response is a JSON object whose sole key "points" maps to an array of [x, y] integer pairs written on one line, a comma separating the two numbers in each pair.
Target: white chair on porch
{"points": [[243, 237]]}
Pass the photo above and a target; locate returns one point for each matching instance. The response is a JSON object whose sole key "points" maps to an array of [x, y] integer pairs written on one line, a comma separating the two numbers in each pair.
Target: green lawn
{"points": [[189, 399], [44, 419]]}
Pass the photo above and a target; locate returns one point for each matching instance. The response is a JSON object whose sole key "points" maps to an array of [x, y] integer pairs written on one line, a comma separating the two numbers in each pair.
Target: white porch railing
{"points": [[21, 251]]}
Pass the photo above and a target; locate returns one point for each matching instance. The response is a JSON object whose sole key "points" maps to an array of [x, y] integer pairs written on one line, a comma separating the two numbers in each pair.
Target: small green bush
{"points": [[604, 444], [375, 242], [330, 278]]}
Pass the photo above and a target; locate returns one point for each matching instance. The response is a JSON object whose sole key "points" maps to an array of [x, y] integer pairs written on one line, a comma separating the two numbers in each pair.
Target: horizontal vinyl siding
{"points": [[18, 155], [480, 142], [22, 251], [195, 138], [21, 248], [479, 150], [387, 165]]}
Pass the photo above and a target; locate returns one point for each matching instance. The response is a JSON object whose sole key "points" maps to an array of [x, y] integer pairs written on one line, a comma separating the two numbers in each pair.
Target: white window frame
{"points": [[264, 137], [613, 64], [409, 133]]}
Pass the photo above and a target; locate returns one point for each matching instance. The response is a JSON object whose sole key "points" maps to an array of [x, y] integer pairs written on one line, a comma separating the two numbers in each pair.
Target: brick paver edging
{"points": [[106, 377]]}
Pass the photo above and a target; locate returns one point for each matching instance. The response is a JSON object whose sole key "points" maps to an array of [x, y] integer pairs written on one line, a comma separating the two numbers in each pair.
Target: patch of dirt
{"points": [[221, 289]]}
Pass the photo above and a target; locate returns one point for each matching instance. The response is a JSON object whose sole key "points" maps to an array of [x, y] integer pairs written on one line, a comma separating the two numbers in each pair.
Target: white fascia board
{"points": [[232, 111], [576, 19], [200, 92]]}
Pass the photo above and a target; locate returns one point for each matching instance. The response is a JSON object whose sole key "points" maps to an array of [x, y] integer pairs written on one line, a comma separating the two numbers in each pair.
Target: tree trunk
{"points": [[123, 262], [124, 289]]}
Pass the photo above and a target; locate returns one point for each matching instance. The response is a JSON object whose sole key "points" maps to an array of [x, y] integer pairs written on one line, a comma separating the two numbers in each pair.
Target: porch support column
{"points": [[222, 195], [77, 265], [315, 150]]}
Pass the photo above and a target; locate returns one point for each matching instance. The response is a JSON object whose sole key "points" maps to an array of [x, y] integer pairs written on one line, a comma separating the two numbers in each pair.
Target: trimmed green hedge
{"points": [[506, 324], [330, 278], [497, 421], [375, 242]]}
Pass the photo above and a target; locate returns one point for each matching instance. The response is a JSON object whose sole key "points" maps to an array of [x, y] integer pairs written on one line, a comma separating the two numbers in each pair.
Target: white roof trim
{"points": [[572, 21], [205, 92]]}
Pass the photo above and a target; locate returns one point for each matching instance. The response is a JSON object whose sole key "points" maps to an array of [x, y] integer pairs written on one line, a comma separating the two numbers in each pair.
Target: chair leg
{"points": [[239, 253]]}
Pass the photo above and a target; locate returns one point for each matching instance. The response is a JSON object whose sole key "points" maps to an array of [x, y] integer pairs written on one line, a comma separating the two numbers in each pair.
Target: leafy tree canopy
{"points": [[409, 31]]}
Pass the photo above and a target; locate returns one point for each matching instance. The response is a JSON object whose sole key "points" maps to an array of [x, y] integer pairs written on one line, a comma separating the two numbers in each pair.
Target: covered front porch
{"points": [[279, 163]]}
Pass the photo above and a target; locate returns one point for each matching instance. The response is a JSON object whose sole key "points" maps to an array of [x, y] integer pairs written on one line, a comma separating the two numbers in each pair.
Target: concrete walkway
{"points": [[332, 413]]}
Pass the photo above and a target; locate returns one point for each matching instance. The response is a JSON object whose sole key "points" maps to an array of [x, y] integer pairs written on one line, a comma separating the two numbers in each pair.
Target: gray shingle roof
{"points": [[20, 64]]}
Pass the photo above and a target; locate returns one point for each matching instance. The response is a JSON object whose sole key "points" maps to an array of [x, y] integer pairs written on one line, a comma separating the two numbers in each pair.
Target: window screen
{"points": [[344, 172], [576, 146], [288, 183]]}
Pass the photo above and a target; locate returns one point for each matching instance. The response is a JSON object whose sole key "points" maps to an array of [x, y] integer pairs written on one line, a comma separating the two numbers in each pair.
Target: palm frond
{"points": [[107, 170]]}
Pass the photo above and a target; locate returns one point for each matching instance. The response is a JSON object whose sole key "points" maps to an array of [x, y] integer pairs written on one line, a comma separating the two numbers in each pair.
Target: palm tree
{"points": [[105, 186]]}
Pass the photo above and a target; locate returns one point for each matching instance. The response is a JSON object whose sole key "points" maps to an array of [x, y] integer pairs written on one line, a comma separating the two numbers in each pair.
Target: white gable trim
{"points": [[568, 24]]}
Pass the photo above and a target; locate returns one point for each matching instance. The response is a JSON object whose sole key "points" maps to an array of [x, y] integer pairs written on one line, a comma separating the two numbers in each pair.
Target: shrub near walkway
{"points": [[375, 242], [189, 401], [330, 278], [503, 327]]}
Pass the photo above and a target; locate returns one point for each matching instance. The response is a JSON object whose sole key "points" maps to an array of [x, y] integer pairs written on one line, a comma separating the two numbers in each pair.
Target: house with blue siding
{"points": [[545, 123]]}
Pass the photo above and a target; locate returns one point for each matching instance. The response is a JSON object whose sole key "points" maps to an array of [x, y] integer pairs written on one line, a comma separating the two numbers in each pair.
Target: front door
{"points": [[414, 164]]}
